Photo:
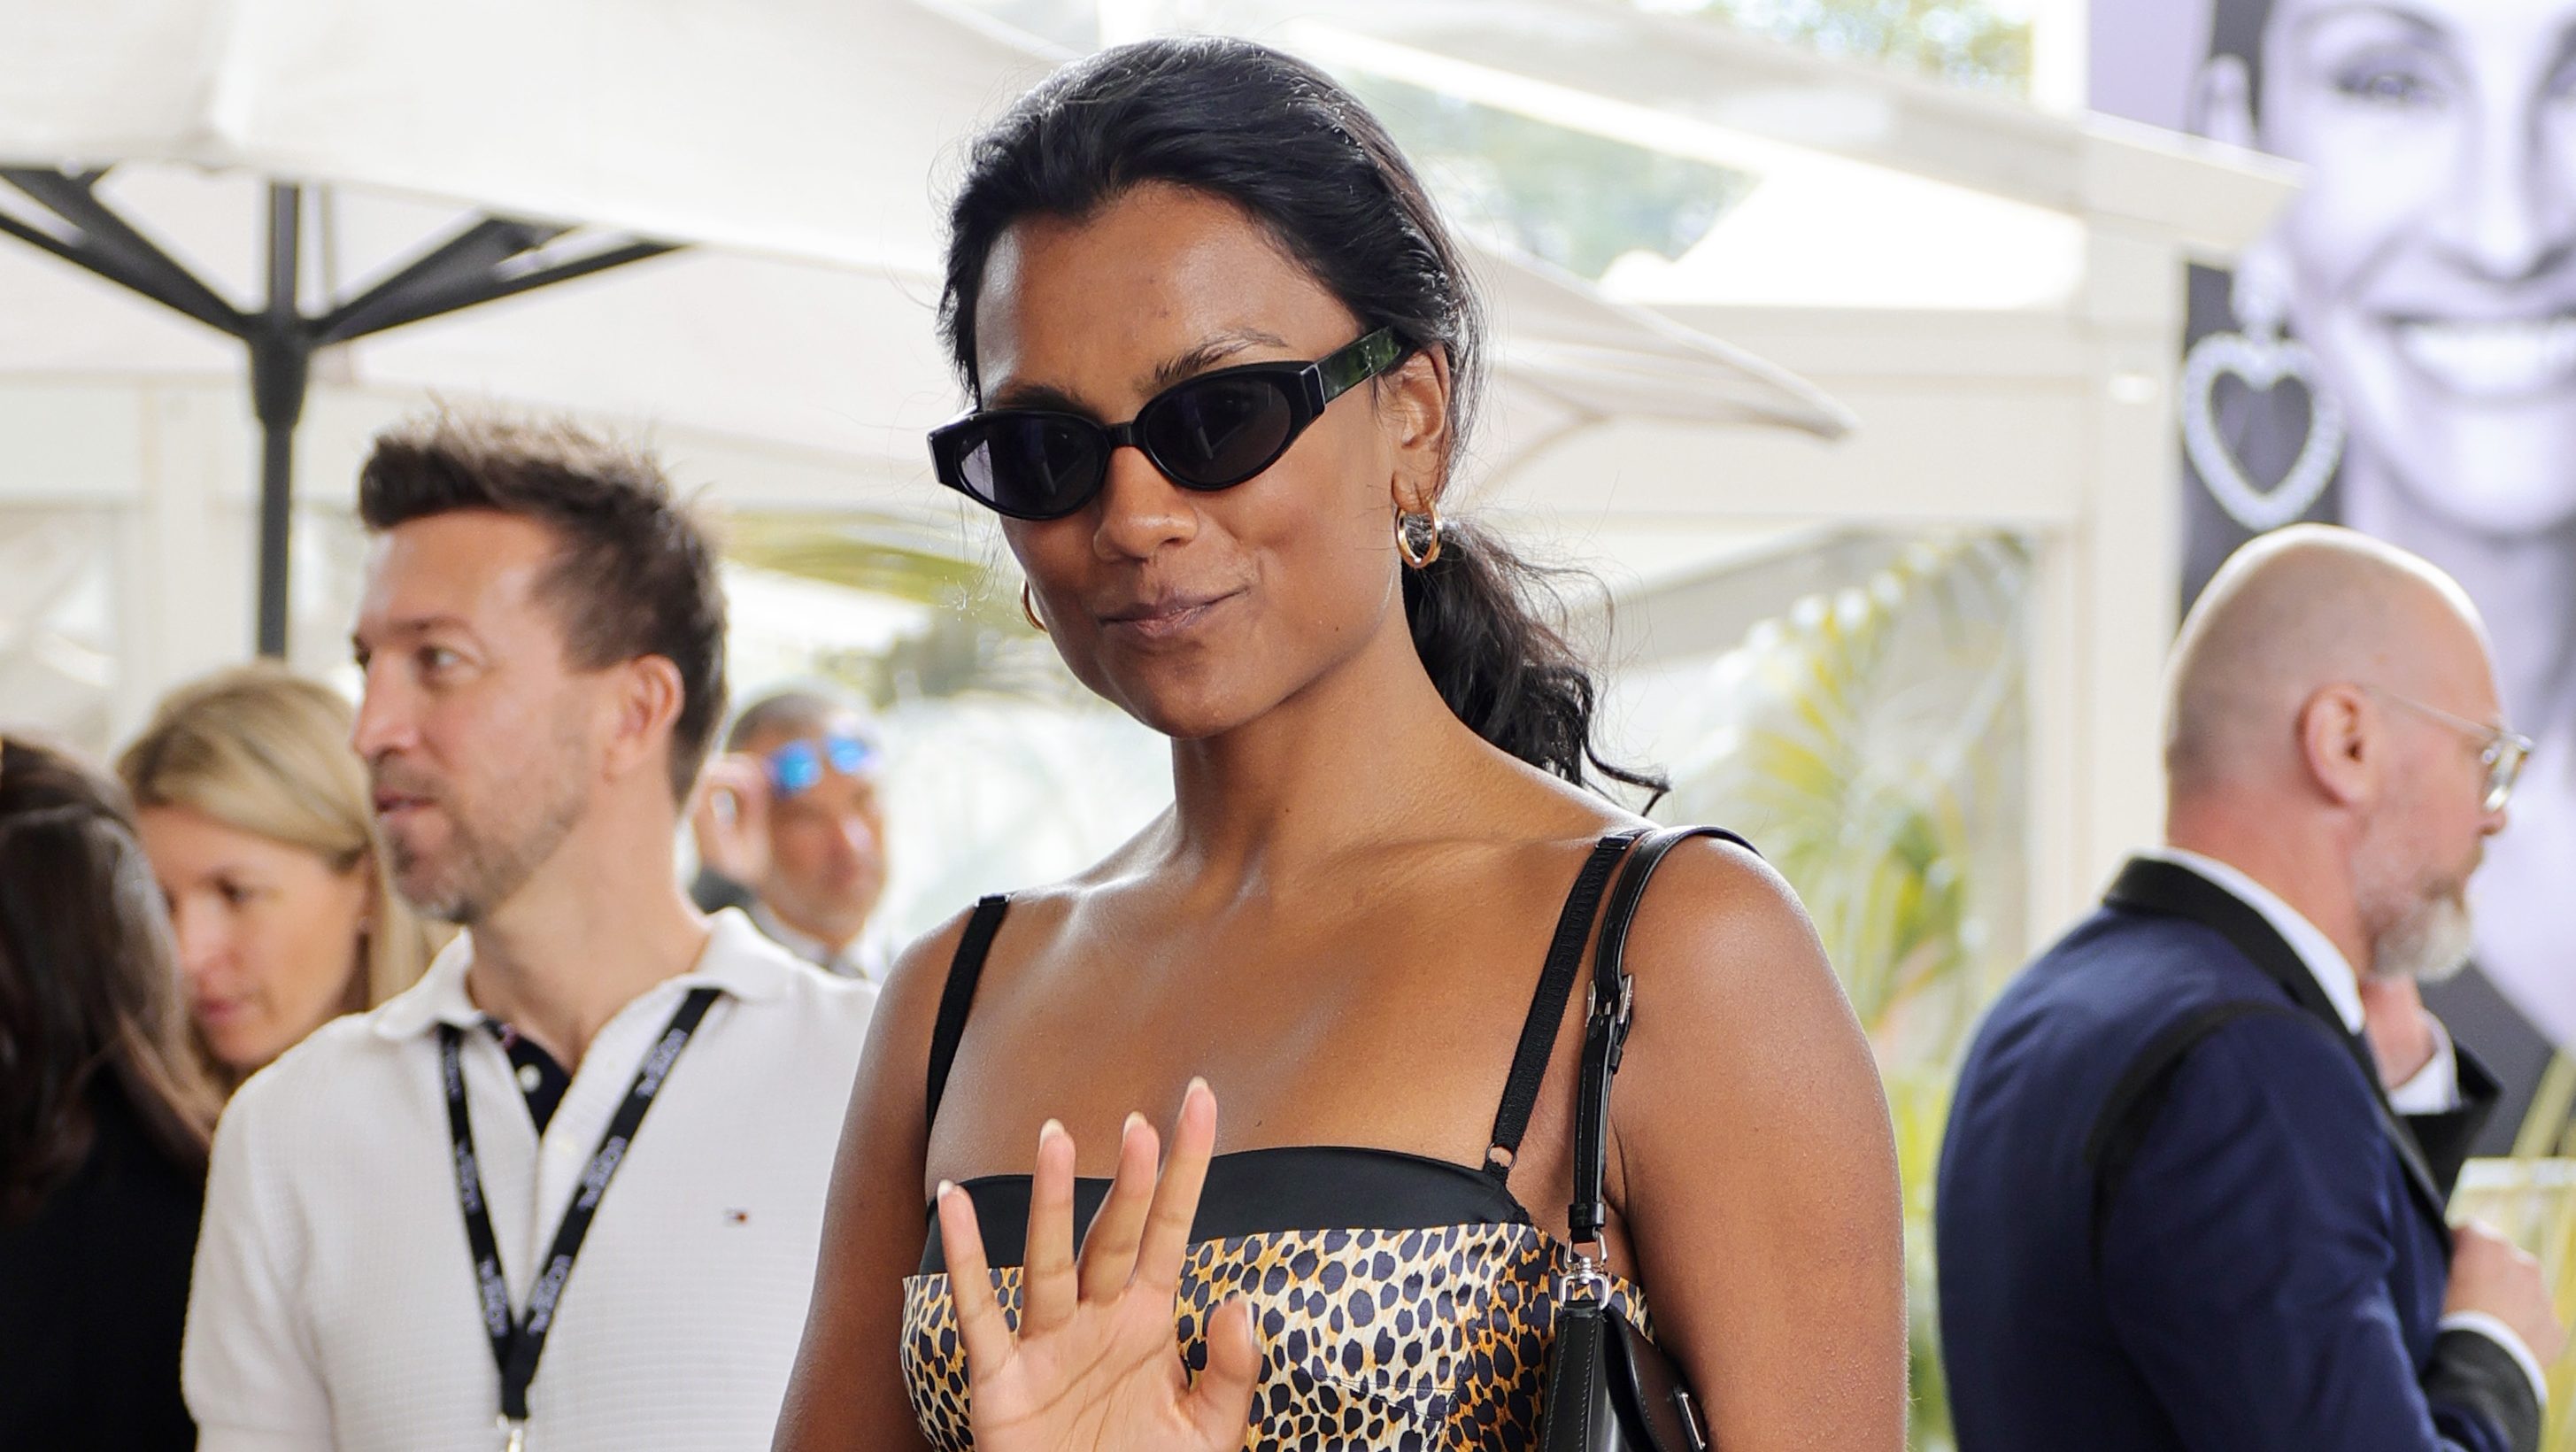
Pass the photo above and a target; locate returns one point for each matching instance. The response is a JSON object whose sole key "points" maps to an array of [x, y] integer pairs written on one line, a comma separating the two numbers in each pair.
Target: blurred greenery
{"points": [[1875, 751], [2532, 1199], [975, 640], [1983, 44], [1969, 43], [1875, 754], [1581, 201], [1575, 199], [880, 554]]}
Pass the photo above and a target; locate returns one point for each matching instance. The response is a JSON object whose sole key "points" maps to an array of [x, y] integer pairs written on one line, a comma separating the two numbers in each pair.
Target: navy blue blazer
{"points": [[2251, 1257]]}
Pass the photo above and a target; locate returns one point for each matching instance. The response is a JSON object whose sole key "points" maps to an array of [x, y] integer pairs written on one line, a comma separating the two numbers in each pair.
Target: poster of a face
{"points": [[2399, 354]]}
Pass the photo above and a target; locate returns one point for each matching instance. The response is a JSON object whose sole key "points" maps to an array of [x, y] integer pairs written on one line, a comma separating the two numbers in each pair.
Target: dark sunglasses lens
{"points": [[1028, 464], [1218, 431]]}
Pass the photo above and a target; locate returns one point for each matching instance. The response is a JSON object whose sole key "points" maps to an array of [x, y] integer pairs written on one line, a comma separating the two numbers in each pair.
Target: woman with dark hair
{"points": [[1222, 352], [104, 1116]]}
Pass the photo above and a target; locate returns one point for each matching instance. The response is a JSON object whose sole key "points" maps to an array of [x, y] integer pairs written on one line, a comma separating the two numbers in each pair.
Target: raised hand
{"points": [[731, 819], [1095, 1365], [2491, 1274]]}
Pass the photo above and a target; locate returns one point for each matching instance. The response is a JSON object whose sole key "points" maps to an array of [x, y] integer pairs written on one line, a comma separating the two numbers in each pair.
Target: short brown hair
{"points": [[635, 574], [798, 708]]}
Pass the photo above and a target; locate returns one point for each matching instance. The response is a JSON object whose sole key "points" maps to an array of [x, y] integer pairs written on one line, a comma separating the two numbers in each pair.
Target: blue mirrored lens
{"points": [[849, 754], [798, 765], [795, 767]]}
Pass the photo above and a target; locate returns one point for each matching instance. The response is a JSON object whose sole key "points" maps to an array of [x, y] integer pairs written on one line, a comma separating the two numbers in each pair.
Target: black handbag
{"points": [[1609, 1388]]}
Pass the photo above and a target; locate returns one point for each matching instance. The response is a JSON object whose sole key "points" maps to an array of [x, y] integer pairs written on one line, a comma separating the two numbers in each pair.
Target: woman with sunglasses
{"points": [[1223, 354]]}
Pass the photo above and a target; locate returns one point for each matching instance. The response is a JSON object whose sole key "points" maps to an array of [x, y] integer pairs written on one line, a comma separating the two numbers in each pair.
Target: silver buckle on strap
{"points": [[1586, 1276]]}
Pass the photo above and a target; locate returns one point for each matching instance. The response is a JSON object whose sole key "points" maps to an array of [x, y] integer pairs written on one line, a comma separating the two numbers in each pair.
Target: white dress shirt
{"points": [[334, 1301], [866, 956], [2435, 1088]]}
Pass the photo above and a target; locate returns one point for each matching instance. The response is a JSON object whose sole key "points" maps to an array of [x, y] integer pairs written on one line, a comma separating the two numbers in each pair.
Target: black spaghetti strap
{"points": [[959, 996], [1547, 1007]]}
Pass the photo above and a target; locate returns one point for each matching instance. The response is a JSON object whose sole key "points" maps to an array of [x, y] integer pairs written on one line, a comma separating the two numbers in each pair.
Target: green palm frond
{"points": [[1873, 744], [2531, 1198], [880, 554], [975, 641], [1874, 755]]}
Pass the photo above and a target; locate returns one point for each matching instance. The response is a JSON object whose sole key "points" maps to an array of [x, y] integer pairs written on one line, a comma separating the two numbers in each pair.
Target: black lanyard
{"points": [[518, 1340]]}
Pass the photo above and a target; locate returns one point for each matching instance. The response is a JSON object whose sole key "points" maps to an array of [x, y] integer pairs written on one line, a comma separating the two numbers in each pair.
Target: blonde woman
{"points": [[257, 818]]}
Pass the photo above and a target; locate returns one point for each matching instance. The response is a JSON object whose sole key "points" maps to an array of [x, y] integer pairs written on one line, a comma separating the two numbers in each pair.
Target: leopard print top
{"points": [[1403, 1338], [1402, 1302]]}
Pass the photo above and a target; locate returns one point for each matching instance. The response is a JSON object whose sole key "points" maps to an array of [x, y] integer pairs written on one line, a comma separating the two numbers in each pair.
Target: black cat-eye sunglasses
{"points": [[1209, 432]]}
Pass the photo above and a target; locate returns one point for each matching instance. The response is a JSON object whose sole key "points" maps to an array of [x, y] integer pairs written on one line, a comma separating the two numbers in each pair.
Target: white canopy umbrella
{"points": [[296, 151], [795, 127]]}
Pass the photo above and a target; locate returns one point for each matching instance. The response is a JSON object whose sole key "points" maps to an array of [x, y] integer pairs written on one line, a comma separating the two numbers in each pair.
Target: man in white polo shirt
{"points": [[567, 1192]]}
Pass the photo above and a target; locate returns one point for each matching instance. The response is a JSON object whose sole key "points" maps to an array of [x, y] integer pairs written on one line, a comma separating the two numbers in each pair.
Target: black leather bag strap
{"points": [[1547, 1005], [1605, 1026]]}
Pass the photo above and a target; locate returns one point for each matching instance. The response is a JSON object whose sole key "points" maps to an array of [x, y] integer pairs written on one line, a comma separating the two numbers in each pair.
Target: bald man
{"points": [[2179, 1205]]}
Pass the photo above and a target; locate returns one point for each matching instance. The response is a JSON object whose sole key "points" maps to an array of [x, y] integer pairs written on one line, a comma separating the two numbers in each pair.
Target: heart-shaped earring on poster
{"points": [[2262, 360]]}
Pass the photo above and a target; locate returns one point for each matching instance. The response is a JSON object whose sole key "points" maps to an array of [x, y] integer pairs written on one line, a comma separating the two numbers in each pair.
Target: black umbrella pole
{"points": [[276, 515], [280, 367], [281, 360]]}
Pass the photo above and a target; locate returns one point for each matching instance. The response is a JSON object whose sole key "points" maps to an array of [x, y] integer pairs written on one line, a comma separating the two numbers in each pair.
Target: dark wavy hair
{"points": [[89, 995], [1302, 157]]}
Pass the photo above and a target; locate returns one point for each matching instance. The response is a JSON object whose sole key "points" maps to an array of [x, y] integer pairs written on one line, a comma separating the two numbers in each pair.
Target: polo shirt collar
{"points": [[738, 960], [2325, 962]]}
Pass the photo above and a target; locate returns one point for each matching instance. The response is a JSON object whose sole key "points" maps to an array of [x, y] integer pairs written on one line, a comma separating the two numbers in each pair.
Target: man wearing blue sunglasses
{"points": [[791, 830]]}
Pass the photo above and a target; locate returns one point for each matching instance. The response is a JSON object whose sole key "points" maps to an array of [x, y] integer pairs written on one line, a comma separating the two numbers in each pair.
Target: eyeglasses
{"points": [[797, 766], [2501, 751], [1209, 432]]}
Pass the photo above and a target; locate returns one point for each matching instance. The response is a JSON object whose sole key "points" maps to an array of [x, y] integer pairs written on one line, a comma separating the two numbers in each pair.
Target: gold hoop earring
{"points": [[1430, 518], [1029, 609]]}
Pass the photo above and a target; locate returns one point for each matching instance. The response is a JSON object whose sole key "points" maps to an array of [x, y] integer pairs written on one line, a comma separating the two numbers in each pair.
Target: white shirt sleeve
{"points": [[247, 1365], [2502, 1335], [2435, 1089]]}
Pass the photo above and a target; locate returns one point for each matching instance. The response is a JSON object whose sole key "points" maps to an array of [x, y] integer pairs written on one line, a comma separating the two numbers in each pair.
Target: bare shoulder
{"points": [[1749, 1115], [917, 982], [1717, 919], [1733, 987], [909, 1002]]}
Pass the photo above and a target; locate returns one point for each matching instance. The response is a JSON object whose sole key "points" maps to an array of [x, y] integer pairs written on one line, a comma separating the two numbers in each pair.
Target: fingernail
{"points": [[1052, 1129], [1197, 1086], [942, 1192], [1135, 1122]]}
